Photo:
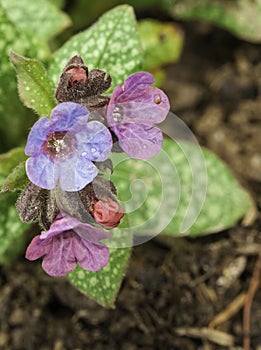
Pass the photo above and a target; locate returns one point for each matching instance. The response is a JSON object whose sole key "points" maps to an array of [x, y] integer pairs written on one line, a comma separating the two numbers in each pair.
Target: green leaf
{"points": [[103, 286], [162, 43], [12, 239], [112, 44], [12, 111], [35, 88], [58, 3], [41, 17], [17, 180], [145, 4], [26, 30], [92, 9], [241, 17], [9, 160], [184, 190]]}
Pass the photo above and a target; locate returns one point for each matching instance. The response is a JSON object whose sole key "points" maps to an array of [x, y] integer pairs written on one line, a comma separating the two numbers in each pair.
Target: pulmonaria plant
{"points": [[69, 154]]}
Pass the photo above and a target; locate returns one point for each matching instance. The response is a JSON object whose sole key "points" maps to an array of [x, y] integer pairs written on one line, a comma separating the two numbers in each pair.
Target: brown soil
{"points": [[174, 288]]}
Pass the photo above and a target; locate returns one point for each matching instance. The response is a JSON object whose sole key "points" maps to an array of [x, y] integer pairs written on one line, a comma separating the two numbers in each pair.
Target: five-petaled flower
{"points": [[67, 243], [133, 110], [64, 147]]}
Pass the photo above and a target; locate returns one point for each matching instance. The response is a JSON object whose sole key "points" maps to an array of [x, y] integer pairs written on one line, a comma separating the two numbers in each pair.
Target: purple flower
{"points": [[68, 242], [63, 147], [133, 110]]}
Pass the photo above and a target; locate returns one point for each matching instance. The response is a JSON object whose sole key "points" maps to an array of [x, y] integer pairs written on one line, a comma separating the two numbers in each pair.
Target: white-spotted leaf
{"points": [[41, 17], [11, 229], [9, 161], [241, 17], [111, 44], [17, 180], [35, 88], [12, 111], [103, 286], [184, 190]]}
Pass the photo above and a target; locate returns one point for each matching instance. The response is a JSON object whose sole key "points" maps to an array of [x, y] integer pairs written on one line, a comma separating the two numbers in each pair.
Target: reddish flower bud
{"points": [[77, 74], [107, 213], [78, 85]]}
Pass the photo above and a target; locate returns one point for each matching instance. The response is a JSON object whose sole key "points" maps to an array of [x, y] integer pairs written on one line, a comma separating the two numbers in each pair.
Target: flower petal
{"points": [[137, 102], [37, 136], [94, 142], [63, 247], [139, 141], [75, 173], [91, 256], [65, 116], [67, 249], [90, 233], [145, 111], [67, 223], [135, 86], [60, 259], [60, 225], [37, 248], [41, 171]]}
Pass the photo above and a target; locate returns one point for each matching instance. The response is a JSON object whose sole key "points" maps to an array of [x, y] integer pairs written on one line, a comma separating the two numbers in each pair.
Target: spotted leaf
{"points": [[35, 88], [111, 44], [184, 190], [104, 285]]}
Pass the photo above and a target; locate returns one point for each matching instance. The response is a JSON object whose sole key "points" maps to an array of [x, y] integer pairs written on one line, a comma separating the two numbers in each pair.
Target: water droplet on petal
{"points": [[157, 99], [93, 149], [84, 154], [117, 117]]}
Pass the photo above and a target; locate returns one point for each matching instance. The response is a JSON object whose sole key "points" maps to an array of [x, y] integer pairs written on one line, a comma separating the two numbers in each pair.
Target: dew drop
{"points": [[157, 99], [117, 117], [93, 149], [84, 154]]}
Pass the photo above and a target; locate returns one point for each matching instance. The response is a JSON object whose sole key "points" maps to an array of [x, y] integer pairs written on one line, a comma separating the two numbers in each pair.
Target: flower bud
{"points": [[107, 213], [77, 84]]}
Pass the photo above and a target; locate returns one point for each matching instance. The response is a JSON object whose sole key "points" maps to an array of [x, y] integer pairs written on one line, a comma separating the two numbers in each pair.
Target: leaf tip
{"points": [[12, 55], [15, 57]]}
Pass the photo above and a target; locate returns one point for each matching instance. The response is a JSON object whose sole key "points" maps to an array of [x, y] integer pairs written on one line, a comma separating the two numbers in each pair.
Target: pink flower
{"points": [[132, 113], [67, 243]]}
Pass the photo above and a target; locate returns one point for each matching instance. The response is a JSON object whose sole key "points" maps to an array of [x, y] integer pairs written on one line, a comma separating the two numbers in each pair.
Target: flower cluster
{"points": [[68, 153]]}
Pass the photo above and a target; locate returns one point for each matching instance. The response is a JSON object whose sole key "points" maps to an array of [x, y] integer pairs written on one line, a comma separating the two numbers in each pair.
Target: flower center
{"points": [[59, 144]]}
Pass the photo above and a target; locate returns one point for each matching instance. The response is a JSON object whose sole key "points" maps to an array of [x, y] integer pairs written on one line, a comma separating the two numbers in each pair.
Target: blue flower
{"points": [[64, 147]]}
